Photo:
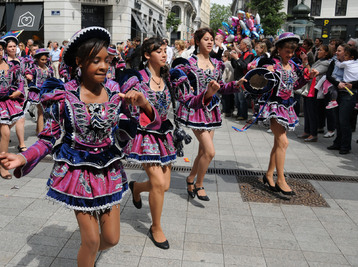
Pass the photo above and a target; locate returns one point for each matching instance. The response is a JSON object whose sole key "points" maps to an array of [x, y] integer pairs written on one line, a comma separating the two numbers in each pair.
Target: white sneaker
{"points": [[269, 131], [328, 134], [332, 104]]}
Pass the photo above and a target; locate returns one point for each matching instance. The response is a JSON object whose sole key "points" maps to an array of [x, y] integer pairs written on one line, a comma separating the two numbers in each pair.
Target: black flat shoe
{"points": [[203, 198], [287, 193], [265, 181], [137, 204], [190, 193], [162, 245]]}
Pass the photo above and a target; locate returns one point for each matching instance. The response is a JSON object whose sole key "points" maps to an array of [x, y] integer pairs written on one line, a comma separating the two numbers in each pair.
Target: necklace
{"points": [[158, 82]]}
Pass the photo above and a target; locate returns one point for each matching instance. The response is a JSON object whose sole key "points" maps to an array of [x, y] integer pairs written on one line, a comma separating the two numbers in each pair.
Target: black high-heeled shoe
{"points": [[162, 245], [190, 193], [265, 181], [287, 193], [203, 198], [137, 204]]}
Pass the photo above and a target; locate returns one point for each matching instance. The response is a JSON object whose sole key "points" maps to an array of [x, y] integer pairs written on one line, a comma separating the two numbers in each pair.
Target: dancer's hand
{"points": [[11, 161], [15, 95], [240, 82], [270, 68], [213, 87], [135, 98]]}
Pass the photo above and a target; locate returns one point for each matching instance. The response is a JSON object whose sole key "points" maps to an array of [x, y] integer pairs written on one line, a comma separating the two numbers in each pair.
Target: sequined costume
{"points": [[11, 80], [39, 76], [87, 175], [208, 117], [156, 147], [280, 104]]}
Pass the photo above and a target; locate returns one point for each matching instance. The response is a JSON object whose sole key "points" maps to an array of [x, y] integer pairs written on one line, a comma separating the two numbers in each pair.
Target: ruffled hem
{"points": [[147, 159], [11, 111], [200, 126], [12, 119], [201, 119], [283, 113], [281, 121], [91, 205]]}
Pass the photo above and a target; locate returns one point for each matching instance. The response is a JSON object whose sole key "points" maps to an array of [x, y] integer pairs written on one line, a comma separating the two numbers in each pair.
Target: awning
{"points": [[139, 22], [27, 17]]}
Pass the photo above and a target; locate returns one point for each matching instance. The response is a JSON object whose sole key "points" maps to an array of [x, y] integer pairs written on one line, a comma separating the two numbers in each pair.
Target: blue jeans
{"points": [[241, 104], [346, 104]]}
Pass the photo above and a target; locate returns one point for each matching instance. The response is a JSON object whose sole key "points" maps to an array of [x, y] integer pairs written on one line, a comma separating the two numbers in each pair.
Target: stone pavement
{"points": [[226, 231]]}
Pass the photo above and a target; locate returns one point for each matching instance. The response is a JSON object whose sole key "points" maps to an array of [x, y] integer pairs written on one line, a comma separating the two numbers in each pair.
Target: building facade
{"points": [[58, 20], [55, 20], [332, 18], [193, 14]]}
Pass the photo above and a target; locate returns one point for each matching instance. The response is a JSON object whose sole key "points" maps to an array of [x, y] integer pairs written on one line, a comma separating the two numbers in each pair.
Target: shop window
{"points": [[338, 32], [341, 7], [316, 7]]}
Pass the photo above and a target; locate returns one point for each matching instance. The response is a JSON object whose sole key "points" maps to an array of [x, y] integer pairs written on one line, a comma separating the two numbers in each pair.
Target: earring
{"points": [[197, 50], [79, 72]]}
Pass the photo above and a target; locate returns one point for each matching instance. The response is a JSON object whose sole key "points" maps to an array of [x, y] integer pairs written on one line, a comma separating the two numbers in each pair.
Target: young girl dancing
{"points": [[88, 176], [279, 112], [156, 149], [38, 74], [11, 98], [202, 69]]}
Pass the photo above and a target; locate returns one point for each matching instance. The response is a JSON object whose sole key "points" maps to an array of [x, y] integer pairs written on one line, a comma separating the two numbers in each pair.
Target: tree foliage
{"points": [[172, 22], [269, 11], [218, 14]]}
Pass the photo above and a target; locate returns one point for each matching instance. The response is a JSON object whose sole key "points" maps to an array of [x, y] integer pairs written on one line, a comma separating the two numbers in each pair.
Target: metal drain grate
{"points": [[240, 172]]}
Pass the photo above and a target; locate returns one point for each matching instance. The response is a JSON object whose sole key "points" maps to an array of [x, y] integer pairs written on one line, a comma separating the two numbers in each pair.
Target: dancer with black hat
{"points": [[39, 72], [11, 98], [10, 56], [87, 176], [278, 111]]}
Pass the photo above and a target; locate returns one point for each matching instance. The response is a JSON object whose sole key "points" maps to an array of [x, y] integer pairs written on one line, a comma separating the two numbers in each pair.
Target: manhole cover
{"points": [[253, 190]]}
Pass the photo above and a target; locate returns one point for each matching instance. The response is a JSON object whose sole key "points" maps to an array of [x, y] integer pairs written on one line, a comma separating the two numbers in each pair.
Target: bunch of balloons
{"points": [[242, 26]]}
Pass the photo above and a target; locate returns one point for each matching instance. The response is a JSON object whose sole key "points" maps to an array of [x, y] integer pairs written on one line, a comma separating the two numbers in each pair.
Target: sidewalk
{"points": [[226, 231]]}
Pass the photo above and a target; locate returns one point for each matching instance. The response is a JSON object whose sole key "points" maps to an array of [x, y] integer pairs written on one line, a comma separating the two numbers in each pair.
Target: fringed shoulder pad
{"points": [[129, 79], [52, 90]]}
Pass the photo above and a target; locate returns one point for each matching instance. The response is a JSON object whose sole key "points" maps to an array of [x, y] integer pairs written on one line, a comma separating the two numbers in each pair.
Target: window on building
{"points": [[341, 7], [356, 35], [290, 5], [176, 10], [338, 32], [316, 7]]}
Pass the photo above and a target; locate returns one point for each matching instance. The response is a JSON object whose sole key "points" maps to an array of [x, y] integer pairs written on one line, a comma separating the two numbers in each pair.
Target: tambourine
{"points": [[260, 81]]}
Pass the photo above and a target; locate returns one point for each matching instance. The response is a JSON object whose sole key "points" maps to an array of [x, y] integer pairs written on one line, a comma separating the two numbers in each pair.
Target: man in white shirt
{"points": [[190, 50], [55, 59]]}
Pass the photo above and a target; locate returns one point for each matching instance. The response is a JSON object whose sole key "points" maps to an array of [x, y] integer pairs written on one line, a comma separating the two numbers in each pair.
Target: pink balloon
{"points": [[250, 24]]}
